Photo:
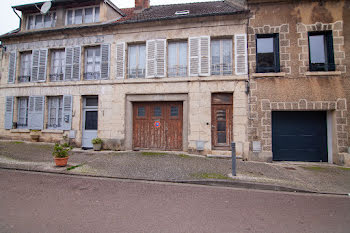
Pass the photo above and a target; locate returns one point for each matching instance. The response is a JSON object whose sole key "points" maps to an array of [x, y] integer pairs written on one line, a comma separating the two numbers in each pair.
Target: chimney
{"points": [[140, 5]]}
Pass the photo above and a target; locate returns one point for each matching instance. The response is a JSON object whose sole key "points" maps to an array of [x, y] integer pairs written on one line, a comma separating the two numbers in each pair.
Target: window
{"points": [[54, 119], [22, 121], [41, 21], [221, 57], [136, 62], [321, 54], [267, 53], [57, 65], [177, 59], [25, 69], [92, 63], [83, 15]]}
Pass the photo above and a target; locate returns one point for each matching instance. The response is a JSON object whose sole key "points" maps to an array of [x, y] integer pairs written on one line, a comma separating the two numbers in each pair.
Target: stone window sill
{"points": [[20, 131], [323, 73], [58, 131], [277, 74]]}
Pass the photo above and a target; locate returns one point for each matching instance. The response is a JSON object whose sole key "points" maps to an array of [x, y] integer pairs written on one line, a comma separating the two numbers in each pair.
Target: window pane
{"points": [[157, 111], [172, 59], [265, 45], [91, 120], [30, 22], [91, 101], [70, 17], [57, 65], [183, 59], [22, 121], [78, 17], [227, 57], [97, 14], [47, 21], [221, 137], [88, 15], [141, 111], [38, 21], [317, 49], [174, 111]]}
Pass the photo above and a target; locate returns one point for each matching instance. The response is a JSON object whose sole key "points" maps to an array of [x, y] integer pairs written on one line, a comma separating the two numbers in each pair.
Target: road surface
{"points": [[38, 202]]}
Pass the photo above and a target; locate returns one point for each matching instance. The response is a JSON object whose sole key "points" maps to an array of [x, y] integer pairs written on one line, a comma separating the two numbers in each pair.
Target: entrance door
{"points": [[90, 120], [221, 121], [157, 125]]}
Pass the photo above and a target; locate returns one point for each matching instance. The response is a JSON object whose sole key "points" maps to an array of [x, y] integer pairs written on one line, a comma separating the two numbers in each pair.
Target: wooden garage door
{"points": [[157, 125]]}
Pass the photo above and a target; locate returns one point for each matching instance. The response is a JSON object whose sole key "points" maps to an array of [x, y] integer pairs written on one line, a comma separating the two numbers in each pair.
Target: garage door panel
{"points": [[299, 136]]}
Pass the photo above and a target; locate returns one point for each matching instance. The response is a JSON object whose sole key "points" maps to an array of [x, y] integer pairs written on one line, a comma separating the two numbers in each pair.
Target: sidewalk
{"points": [[177, 167]]}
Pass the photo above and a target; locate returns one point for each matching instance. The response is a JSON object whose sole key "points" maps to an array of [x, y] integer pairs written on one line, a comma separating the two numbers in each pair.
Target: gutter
{"points": [[20, 19], [121, 23]]}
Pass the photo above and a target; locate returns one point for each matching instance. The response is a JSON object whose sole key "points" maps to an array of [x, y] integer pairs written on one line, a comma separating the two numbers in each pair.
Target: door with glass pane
{"points": [[90, 120], [221, 121]]}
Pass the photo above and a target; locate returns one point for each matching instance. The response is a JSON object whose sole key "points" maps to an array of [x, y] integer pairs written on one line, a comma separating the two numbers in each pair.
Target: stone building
{"points": [[298, 74], [171, 77]]}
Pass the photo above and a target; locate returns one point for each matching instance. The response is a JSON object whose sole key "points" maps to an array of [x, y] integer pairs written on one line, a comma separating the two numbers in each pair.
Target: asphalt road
{"points": [[37, 202]]}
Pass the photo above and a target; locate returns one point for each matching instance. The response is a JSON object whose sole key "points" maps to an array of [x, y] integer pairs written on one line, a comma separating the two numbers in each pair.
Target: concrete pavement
{"points": [[38, 202], [312, 177]]}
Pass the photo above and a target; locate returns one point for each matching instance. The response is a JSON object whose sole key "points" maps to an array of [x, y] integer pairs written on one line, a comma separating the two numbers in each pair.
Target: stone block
{"points": [[310, 106], [274, 106], [341, 104], [301, 28], [332, 106], [338, 25], [284, 28], [280, 106], [325, 106], [295, 106], [265, 105], [302, 104], [266, 29], [341, 121], [286, 42]]}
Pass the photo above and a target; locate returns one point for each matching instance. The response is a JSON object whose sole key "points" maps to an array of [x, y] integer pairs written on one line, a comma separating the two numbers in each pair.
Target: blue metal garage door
{"points": [[299, 136]]}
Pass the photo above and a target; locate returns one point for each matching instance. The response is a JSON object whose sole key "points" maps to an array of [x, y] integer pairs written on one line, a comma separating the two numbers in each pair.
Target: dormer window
{"points": [[83, 15], [38, 21]]}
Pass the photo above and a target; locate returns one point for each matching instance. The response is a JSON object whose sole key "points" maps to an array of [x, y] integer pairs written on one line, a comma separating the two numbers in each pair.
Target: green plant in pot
{"points": [[97, 144], [60, 154]]}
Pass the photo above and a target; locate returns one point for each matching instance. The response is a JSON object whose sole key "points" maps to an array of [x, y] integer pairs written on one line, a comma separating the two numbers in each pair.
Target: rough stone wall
{"points": [[295, 88], [112, 93]]}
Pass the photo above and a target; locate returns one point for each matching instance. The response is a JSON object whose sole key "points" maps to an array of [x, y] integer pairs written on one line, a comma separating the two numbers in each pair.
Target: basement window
{"points": [[184, 12]]}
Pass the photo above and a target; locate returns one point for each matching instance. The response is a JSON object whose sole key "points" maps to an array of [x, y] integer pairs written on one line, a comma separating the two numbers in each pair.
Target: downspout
{"points": [[20, 19]]}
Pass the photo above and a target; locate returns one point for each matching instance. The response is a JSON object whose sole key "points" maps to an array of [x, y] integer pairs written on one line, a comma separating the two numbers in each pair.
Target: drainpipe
{"points": [[20, 19]]}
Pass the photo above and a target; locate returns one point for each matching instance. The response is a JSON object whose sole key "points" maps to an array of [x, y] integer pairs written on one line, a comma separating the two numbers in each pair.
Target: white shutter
{"points": [[8, 112], [150, 59], [42, 65], [12, 67], [35, 65], [160, 58], [69, 64], [120, 69], [241, 62], [105, 58], [76, 63], [204, 64], [193, 66], [67, 112], [36, 112]]}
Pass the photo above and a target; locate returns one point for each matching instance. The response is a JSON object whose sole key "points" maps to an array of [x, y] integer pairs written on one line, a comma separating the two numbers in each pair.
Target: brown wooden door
{"points": [[157, 125], [221, 121]]}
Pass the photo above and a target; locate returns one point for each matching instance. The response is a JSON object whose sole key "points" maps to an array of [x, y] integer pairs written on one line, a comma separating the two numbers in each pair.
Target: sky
{"points": [[9, 20]]}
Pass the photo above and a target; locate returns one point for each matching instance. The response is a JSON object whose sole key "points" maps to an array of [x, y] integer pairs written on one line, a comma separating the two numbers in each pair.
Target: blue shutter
{"points": [[35, 65], [67, 112], [76, 63], [120, 67], [69, 64], [9, 112], [42, 65], [12, 67], [105, 58], [36, 112]]}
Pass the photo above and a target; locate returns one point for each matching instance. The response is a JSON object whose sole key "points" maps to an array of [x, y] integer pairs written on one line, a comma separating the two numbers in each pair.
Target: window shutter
{"points": [[35, 65], [150, 58], [105, 57], [9, 112], [161, 58], [12, 67], [36, 112], [241, 63], [69, 64], [42, 65], [204, 64], [76, 63], [67, 112], [193, 56], [120, 61]]}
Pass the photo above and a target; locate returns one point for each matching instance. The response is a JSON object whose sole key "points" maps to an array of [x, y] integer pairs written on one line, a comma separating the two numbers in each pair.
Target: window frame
{"points": [[178, 73], [221, 55], [94, 19], [59, 112], [276, 54], [33, 16], [57, 77], [329, 64], [24, 71], [19, 99], [96, 74], [137, 61]]}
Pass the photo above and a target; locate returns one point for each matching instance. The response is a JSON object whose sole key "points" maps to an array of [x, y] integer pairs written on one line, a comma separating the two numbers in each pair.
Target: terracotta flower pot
{"points": [[61, 162], [97, 147]]}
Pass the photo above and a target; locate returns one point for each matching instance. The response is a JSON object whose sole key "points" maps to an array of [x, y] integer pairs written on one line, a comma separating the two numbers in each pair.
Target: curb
{"points": [[206, 182]]}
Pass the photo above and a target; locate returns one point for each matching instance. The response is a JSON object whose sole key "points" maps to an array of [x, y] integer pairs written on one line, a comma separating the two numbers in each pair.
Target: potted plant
{"points": [[60, 154], [97, 143], [35, 135]]}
